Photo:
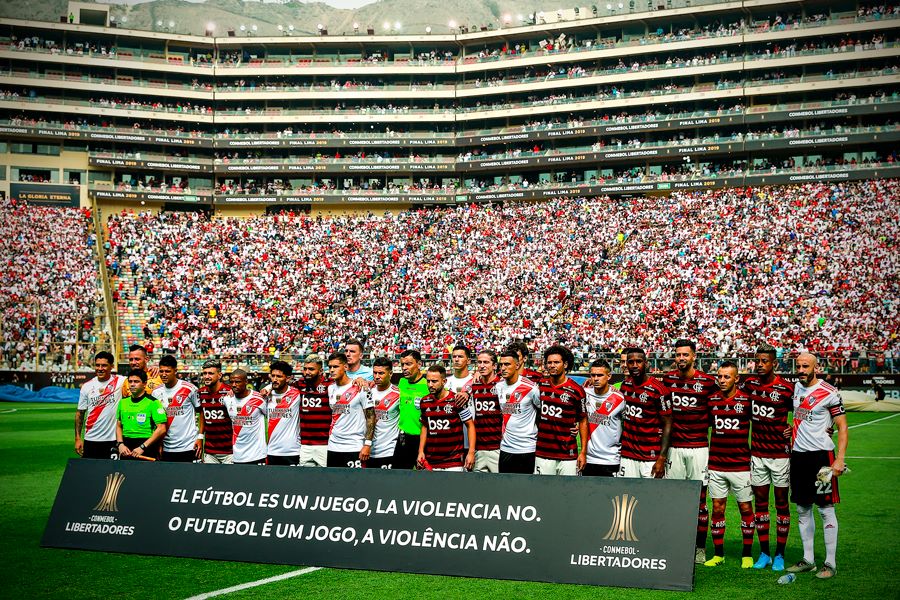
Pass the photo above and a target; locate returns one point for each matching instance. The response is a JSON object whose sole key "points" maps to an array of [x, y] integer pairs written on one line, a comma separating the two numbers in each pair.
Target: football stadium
{"points": [[522, 278]]}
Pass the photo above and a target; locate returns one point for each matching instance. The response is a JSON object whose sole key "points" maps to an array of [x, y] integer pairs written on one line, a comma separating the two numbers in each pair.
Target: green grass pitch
{"points": [[36, 441]]}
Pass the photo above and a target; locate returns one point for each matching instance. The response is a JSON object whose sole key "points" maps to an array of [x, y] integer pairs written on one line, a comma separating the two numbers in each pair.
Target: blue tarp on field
{"points": [[14, 393]]}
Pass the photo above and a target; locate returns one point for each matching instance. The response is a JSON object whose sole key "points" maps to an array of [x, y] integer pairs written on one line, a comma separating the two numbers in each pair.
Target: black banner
{"points": [[150, 196], [598, 531], [345, 166], [332, 142], [49, 194], [37, 380], [197, 165], [106, 136], [348, 198]]}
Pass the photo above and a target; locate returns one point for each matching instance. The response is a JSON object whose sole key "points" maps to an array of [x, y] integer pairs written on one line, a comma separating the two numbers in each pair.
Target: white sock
{"points": [[830, 529], [807, 526]]}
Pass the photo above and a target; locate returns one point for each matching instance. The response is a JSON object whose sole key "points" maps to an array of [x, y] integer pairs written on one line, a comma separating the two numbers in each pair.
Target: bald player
{"points": [[814, 465]]}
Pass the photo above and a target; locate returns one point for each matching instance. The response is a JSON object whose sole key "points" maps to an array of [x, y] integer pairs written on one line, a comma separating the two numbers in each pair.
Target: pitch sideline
{"points": [[253, 584]]}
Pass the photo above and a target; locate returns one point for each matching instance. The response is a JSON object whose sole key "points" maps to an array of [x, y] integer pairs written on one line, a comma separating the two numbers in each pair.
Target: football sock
{"points": [[807, 526], [830, 530]]}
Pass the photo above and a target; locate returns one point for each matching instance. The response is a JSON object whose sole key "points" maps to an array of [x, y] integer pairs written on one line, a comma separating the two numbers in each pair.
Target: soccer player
{"points": [[488, 416], [355, 369], [140, 420], [817, 408], [772, 399], [647, 422], [283, 412], [603, 406], [729, 461], [99, 398], [521, 349], [689, 390], [215, 424], [182, 442], [441, 440], [386, 398], [520, 400], [352, 420], [461, 380], [561, 410], [413, 387], [138, 358], [247, 410], [315, 414]]}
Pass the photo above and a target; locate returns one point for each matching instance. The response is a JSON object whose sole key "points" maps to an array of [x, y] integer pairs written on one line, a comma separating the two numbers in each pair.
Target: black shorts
{"points": [[517, 463], [805, 488], [261, 461], [343, 460], [406, 452], [186, 456], [283, 461], [101, 450], [380, 463], [600, 470], [151, 451]]}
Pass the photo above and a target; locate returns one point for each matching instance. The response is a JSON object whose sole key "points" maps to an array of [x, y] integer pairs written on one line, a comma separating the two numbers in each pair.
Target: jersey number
{"points": [[823, 487]]}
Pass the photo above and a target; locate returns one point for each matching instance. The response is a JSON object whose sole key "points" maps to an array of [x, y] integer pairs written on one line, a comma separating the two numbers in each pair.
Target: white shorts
{"points": [[548, 466], [770, 471], [688, 464], [487, 461], [636, 469], [313, 456], [451, 469], [737, 482], [218, 459]]}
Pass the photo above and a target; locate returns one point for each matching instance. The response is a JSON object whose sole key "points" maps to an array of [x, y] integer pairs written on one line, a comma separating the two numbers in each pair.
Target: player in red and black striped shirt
{"points": [[773, 398], [562, 409], [215, 424], [646, 422], [488, 416], [315, 414], [689, 391], [441, 441], [729, 461]]}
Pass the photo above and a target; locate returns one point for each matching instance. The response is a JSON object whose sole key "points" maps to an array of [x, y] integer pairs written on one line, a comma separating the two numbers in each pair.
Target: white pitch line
{"points": [[874, 457], [7, 412], [253, 584], [874, 421]]}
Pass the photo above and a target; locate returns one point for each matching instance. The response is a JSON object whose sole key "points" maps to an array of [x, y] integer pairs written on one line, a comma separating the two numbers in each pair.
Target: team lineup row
{"points": [[504, 418]]}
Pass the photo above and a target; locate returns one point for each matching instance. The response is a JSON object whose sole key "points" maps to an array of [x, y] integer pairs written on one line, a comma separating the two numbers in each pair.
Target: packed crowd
{"points": [[49, 283], [812, 266]]}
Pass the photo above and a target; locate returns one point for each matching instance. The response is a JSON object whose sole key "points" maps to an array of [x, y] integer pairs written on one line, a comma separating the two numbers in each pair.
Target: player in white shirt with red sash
{"points": [[603, 406], [183, 442], [98, 401], [817, 408], [284, 417], [352, 420], [386, 401], [247, 410]]}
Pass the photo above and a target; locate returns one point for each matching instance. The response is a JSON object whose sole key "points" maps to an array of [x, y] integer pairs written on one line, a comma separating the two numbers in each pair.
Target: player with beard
{"points": [[95, 437], [814, 466], [215, 424], [729, 462], [441, 440], [561, 411], [315, 414], [352, 417], [139, 358], [520, 401], [647, 423], [689, 390], [247, 410], [283, 412], [386, 397], [772, 397], [488, 416]]}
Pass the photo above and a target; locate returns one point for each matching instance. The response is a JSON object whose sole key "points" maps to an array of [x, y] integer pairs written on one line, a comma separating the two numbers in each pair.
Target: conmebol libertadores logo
{"points": [[108, 501], [622, 527]]}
